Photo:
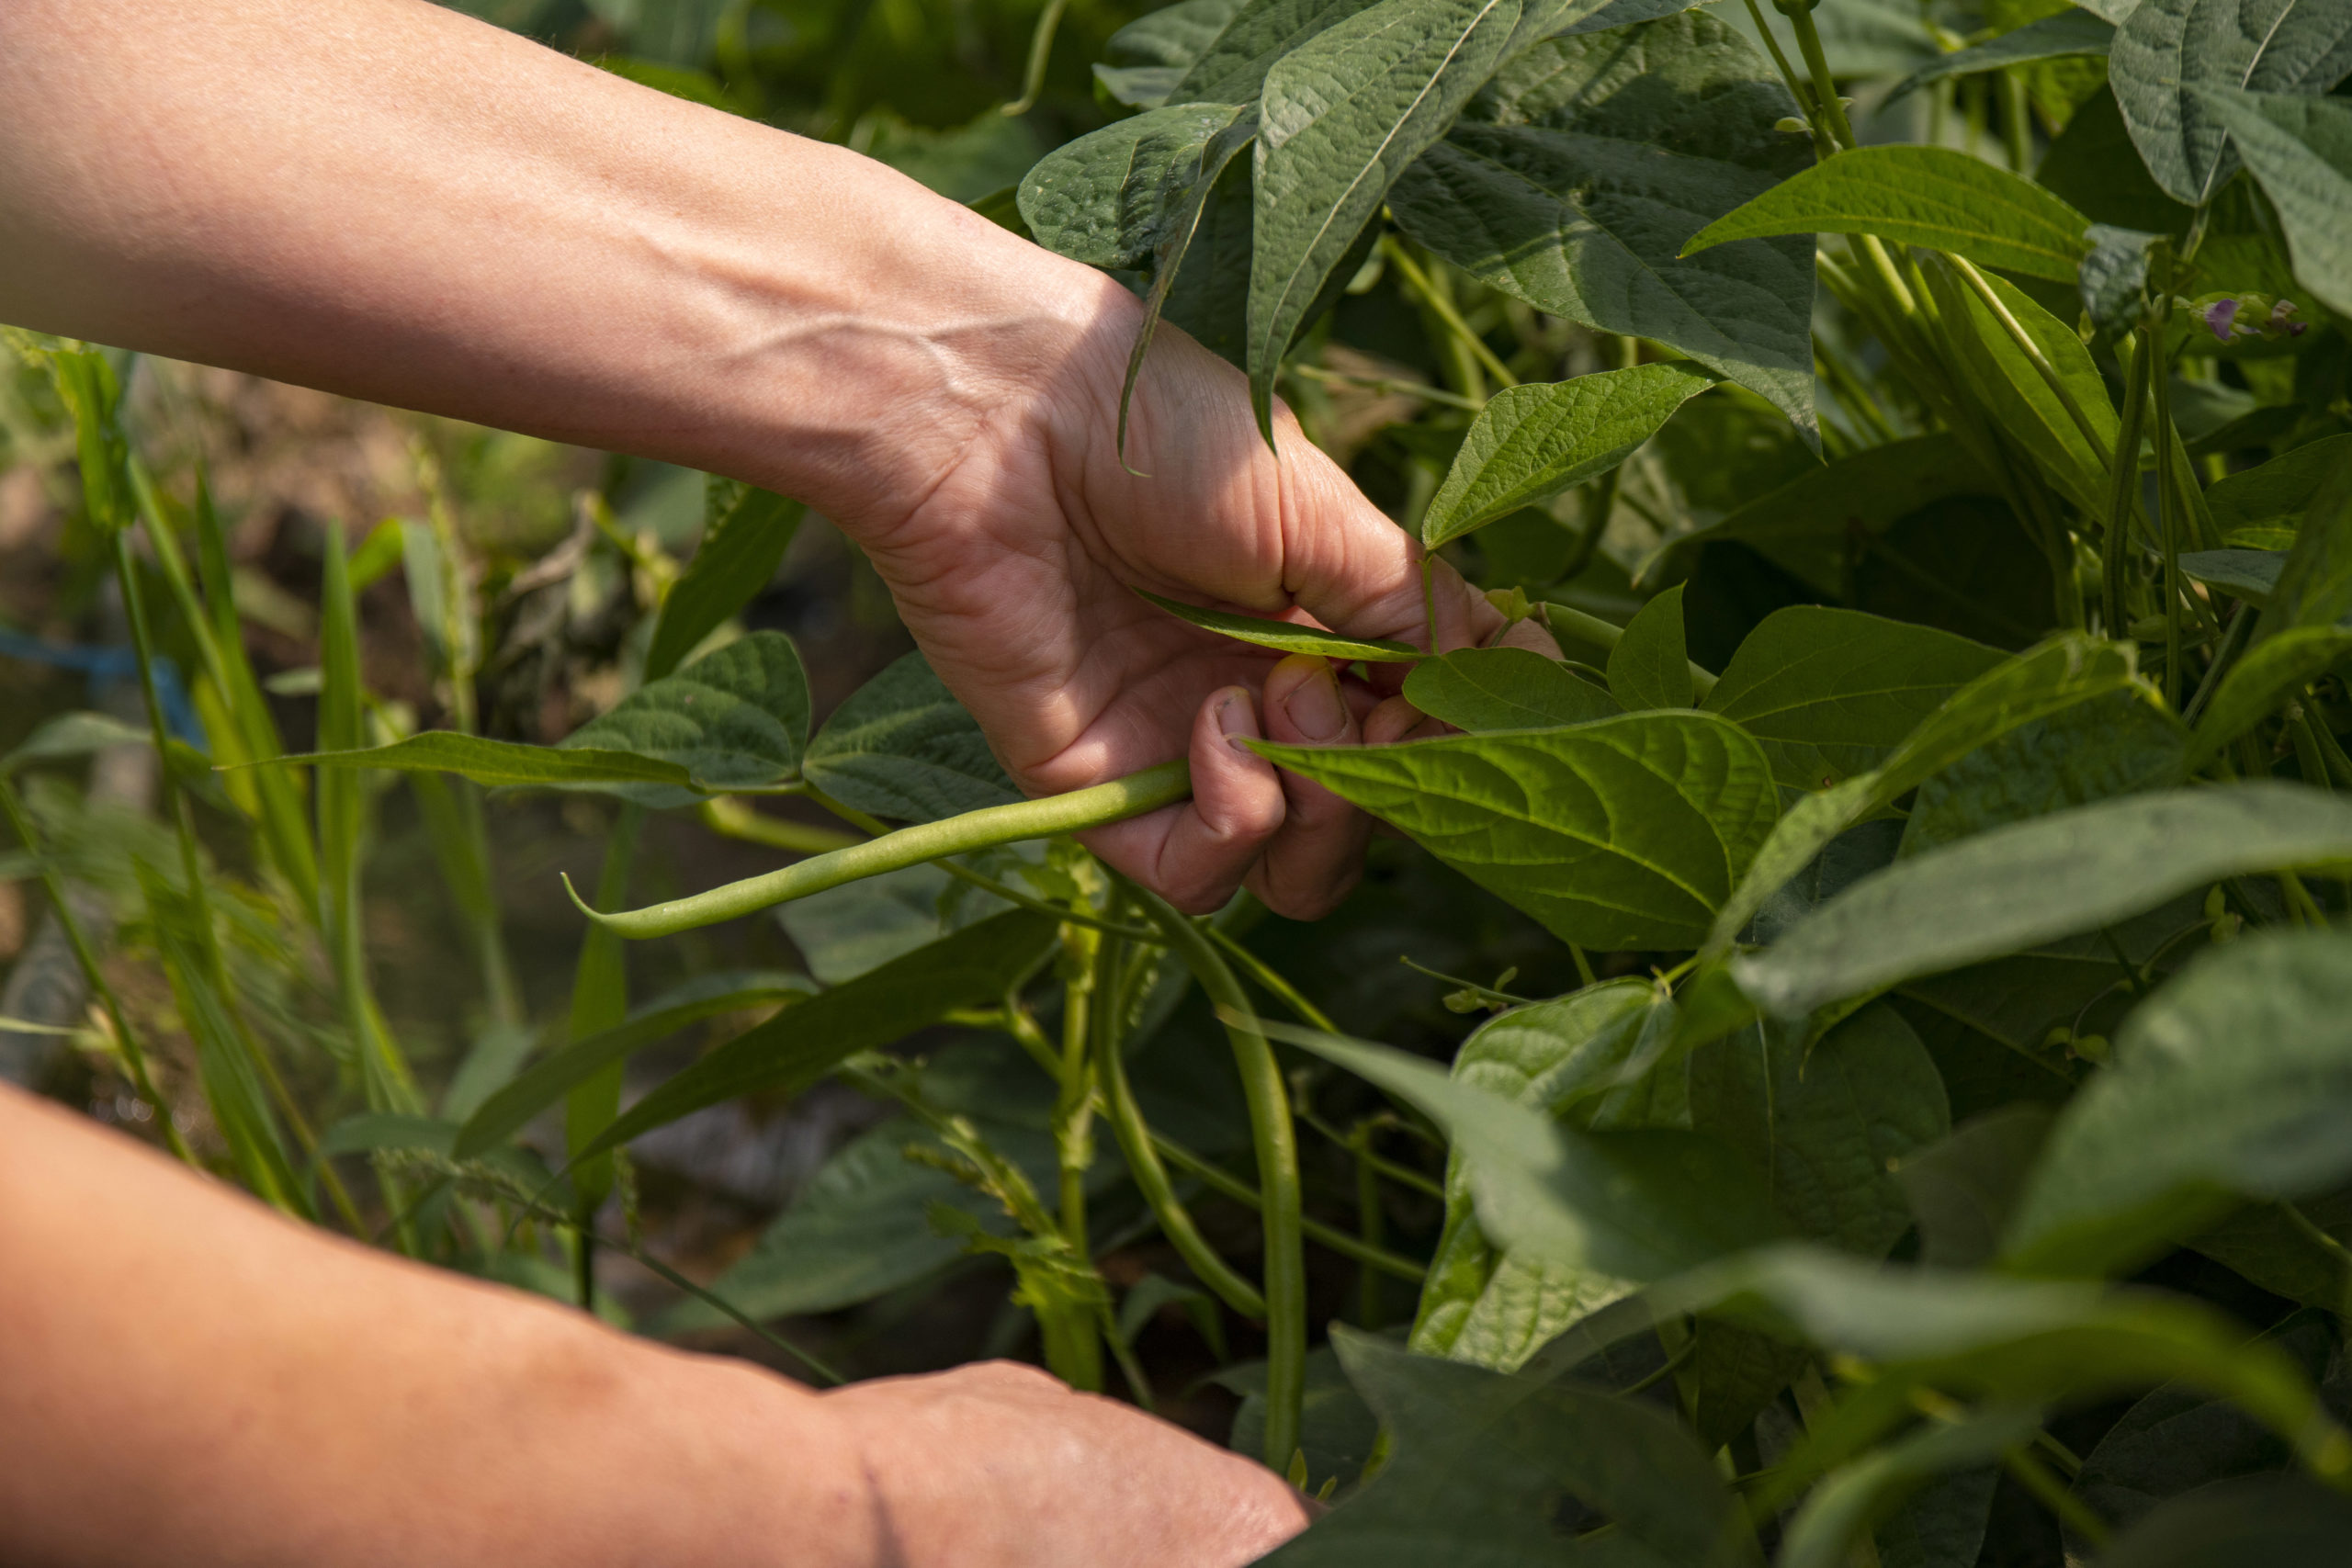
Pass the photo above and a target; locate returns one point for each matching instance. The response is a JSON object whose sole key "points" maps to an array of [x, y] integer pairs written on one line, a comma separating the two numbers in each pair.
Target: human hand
{"points": [[1013, 564], [999, 1465]]}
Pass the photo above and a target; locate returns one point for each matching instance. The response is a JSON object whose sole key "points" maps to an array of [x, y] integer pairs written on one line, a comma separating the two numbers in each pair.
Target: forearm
{"points": [[390, 200], [186, 1377]]}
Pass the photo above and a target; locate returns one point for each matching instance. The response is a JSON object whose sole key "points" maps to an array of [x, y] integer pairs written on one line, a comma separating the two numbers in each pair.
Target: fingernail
{"points": [[1237, 720], [1315, 705]]}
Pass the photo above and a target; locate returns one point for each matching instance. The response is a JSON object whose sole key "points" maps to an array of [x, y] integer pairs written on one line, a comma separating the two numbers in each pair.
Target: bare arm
{"points": [[385, 198], [186, 1377]]}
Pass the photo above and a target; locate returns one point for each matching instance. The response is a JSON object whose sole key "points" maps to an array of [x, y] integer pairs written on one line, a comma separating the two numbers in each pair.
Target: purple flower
{"points": [[2221, 316]]}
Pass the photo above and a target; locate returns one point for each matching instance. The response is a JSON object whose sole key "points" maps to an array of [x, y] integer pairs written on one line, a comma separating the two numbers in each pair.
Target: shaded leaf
{"points": [[1145, 59], [2267, 1245], [1573, 180], [1963, 1189], [2069, 32], [2301, 149], [1848, 1504], [902, 747], [1826, 1122], [1637, 1205], [1482, 689], [1650, 667], [1832, 693], [2306, 626], [2276, 494], [2030, 882], [1531, 442], [1107, 199], [2166, 50], [2280, 1521], [2250, 575], [804, 1041], [1342, 114], [1931, 197], [2114, 278], [1492, 1470], [1287, 637], [2114, 744], [1624, 833], [2234, 1079], [1567, 1056], [2015, 394]]}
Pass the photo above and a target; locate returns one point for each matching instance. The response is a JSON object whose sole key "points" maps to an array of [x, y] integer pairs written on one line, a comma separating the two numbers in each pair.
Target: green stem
{"points": [[2168, 534], [1370, 1223], [2122, 496], [1041, 50], [1079, 809], [1269, 980], [2016, 122], [1277, 1148], [1421, 390], [2052, 1494], [84, 955], [1825, 86], [1135, 1142], [1604, 635], [1419, 281], [1086, 998], [1225, 1184], [1822, 146]]}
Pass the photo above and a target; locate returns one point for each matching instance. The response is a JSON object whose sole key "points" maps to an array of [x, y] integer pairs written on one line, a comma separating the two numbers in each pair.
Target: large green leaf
{"points": [[2234, 1079], [1826, 1122], [1635, 1205], [1569, 1056], [1495, 1471], [2168, 48], [2279, 1252], [1625, 833], [1482, 689], [2118, 743], [1232, 68], [2176, 1440], [2301, 149], [2069, 32], [2016, 886], [2067, 670], [1341, 116], [745, 531], [2013, 391], [1813, 525], [1650, 666], [1847, 1504], [806, 1041], [1144, 60], [1934, 198], [1981, 1336], [1573, 180], [1832, 693], [1107, 199], [2280, 1521], [735, 718], [1533, 442], [1962, 1190], [902, 747]]}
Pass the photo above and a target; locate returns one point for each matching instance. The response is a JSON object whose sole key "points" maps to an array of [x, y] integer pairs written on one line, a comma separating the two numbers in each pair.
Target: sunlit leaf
{"points": [[2166, 50], [1931, 197], [1533, 442], [1629, 832], [1482, 689], [902, 747]]}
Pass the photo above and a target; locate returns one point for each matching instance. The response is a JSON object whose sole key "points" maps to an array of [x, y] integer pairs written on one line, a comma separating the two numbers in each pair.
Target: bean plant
{"points": [[1936, 808]]}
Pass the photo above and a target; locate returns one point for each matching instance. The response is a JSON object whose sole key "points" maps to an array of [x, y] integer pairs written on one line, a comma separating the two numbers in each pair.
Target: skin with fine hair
{"points": [[386, 199]]}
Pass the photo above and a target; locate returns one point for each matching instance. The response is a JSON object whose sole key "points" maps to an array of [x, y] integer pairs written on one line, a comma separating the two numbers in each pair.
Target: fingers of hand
{"points": [[1309, 865], [1194, 855]]}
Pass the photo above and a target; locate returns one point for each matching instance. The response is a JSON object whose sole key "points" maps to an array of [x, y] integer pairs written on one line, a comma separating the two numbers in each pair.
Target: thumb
{"points": [[1353, 570]]}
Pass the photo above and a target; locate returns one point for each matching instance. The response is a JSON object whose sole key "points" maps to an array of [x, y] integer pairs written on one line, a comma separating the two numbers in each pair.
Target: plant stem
{"points": [[1385, 384], [1087, 994], [84, 955], [1079, 809], [1370, 1308], [1435, 299], [1136, 1143], [1225, 1184], [2036, 1479], [2016, 122], [2168, 534], [1825, 86], [1041, 50], [1277, 1149], [1605, 634], [2124, 499]]}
